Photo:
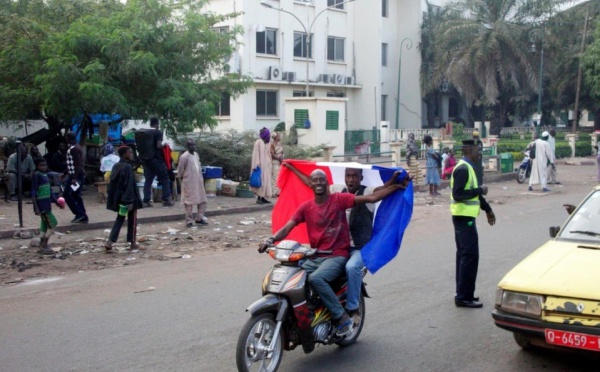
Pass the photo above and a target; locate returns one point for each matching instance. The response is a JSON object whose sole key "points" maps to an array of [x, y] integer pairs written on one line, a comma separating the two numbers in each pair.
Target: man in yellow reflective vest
{"points": [[466, 201]]}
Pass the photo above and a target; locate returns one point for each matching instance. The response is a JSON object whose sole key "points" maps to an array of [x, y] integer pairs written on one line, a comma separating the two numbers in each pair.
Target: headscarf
{"points": [[108, 149], [273, 135], [265, 135]]}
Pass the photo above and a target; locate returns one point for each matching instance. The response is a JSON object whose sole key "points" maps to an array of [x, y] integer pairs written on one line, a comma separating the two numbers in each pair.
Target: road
{"points": [[185, 315]]}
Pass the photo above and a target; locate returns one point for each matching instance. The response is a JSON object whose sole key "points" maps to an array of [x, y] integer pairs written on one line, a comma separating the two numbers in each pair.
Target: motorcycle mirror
{"points": [[554, 231]]}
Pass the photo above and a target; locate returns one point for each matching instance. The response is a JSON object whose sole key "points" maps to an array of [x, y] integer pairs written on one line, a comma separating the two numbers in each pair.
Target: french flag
{"points": [[392, 215]]}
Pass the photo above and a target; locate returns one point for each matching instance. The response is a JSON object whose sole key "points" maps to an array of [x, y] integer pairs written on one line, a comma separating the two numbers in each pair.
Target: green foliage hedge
{"points": [[563, 150], [232, 151]]}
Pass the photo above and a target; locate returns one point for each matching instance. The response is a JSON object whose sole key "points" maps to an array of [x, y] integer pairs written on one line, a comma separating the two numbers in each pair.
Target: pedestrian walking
{"points": [[432, 174], [542, 159], [42, 199], [123, 198], [276, 160], [466, 201], [598, 161], [551, 172], [154, 166], [189, 170], [261, 158], [75, 179]]}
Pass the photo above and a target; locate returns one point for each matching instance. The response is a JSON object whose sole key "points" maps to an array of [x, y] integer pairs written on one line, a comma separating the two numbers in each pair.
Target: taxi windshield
{"points": [[584, 224]]}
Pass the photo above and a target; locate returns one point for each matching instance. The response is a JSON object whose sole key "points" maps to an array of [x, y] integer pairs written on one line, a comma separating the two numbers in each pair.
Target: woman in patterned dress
{"points": [[276, 159]]}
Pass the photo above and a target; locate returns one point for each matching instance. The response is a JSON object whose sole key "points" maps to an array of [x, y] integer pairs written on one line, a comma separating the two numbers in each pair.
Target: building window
{"points": [[332, 120], [300, 117], [221, 30], [591, 116], [266, 103], [384, 116], [335, 49], [336, 94], [302, 93], [224, 108], [266, 41], [300, 47], [384, 8], [338, 4], [384, 50]]}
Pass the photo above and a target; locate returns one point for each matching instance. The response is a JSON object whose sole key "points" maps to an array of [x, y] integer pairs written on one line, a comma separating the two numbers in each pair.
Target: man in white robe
{"points": [[192, 185], [543, 158]]}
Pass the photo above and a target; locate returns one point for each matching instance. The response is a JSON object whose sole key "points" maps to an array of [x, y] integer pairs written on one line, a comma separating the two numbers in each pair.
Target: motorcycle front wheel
{"points": [[255, 337], [359, 321], [521, 175]]}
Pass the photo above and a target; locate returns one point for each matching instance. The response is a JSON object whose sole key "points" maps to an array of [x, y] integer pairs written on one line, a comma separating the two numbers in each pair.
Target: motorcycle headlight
{"points": [[521, 303]]}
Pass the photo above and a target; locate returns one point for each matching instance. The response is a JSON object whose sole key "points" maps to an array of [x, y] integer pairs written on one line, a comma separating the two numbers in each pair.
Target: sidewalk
{"points": [[102, 218]]}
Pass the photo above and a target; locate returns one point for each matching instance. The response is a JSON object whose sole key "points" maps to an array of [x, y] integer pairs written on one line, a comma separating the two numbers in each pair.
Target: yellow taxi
{"points": [[552, 297]]}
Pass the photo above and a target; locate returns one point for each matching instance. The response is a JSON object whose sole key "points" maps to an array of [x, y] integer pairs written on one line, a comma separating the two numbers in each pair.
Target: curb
{"points": [[149, 219]]}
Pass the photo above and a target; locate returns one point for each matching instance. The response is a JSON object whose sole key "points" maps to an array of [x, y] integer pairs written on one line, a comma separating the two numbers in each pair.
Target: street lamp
{"points": [[306, 30], [538, 35], [408, 47]]}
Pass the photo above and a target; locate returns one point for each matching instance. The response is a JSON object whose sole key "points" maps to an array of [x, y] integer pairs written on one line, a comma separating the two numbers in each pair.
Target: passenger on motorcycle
{"points": [[327, 228], [360, 223]]}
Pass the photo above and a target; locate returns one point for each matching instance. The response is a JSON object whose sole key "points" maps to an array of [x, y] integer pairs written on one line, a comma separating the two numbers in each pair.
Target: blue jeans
{"points": [[354, 268], [158, 168], [73, 198], [322, 271]]}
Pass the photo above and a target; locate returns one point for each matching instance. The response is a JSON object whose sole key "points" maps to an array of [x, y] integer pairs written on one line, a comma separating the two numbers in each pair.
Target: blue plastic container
{"points": [[211, 172]]}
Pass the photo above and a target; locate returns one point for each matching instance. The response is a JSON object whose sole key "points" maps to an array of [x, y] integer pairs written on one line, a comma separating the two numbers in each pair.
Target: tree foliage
{"points": [[142, 58], [483, 49]]}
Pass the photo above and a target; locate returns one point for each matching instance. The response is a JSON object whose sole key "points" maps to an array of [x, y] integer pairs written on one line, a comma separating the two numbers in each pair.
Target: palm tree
{"points": [[482, 48]]}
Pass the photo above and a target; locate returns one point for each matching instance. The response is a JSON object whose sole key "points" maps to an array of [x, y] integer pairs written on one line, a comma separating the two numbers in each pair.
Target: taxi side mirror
{"points": [[554, 231]]}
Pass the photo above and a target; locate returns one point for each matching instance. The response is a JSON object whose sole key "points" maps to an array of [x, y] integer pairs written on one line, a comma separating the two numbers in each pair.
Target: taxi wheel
{"points": [[523, 341]]}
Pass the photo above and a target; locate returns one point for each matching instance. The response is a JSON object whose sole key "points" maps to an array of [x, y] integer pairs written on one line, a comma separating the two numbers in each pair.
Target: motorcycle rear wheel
{"points": [[255, 336], [521, 175], [353, 336]]}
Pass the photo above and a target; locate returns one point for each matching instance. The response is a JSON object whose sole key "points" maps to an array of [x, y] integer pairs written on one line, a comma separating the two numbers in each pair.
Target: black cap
{"points": [[469, 142]]}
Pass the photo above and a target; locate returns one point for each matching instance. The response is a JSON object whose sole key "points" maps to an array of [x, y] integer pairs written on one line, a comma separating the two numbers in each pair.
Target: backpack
{"points": [[438, 159], [144, 141], [532, 152]]}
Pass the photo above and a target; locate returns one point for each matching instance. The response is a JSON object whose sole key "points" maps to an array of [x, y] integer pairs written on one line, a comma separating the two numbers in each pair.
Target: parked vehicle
{"points": [[290, 313], [525, 168], [552, 297]]}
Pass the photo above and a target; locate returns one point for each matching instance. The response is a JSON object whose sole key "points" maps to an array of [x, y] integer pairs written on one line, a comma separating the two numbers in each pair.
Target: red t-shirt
{"points": [[326, 223]]}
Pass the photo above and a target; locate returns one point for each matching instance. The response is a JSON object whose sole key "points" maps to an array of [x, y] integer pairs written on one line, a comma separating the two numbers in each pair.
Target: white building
{"points": [[353, 52]]}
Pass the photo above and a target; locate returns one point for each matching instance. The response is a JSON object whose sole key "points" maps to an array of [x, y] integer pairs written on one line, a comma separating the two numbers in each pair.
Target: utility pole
{"points": [[579, 72]]}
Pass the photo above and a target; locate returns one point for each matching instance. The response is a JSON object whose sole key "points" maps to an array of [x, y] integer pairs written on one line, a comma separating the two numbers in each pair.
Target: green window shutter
{"points": [[332, 120], [300, 116], [591, 116]]}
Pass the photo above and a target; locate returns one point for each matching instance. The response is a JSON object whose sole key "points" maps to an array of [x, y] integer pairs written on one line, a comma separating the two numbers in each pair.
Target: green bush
{"points": [[563, 150], [517, 156]]}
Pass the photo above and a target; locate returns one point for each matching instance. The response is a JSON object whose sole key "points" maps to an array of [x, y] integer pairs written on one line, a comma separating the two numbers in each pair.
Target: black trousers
{"points": [[131, 227], [467, 256]]}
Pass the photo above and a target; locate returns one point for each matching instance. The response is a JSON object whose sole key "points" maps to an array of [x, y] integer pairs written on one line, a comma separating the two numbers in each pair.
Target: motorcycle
{"points": [[525, 168], [290, 314]]}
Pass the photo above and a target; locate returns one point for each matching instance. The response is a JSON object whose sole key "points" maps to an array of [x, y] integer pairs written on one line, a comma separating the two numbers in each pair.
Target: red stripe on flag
{"points": [[293, 193]]}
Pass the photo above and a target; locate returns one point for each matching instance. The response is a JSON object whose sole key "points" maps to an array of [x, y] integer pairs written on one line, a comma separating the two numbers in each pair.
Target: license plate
{"points": [[572, 339]]}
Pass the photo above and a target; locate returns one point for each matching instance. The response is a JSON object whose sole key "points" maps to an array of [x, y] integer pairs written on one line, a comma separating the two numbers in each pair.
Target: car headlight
{"points": [[521, 303]]}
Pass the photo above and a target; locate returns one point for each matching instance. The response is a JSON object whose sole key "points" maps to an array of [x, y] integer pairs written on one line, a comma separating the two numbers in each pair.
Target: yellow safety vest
{"points": [[469, 207]]}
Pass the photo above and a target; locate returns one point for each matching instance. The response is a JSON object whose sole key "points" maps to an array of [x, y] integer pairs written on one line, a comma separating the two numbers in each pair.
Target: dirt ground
{"points": [[84, 251]]}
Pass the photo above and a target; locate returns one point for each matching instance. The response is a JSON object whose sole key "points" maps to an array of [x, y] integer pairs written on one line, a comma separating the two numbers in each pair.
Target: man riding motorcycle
{"points": [[327, 227]]}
